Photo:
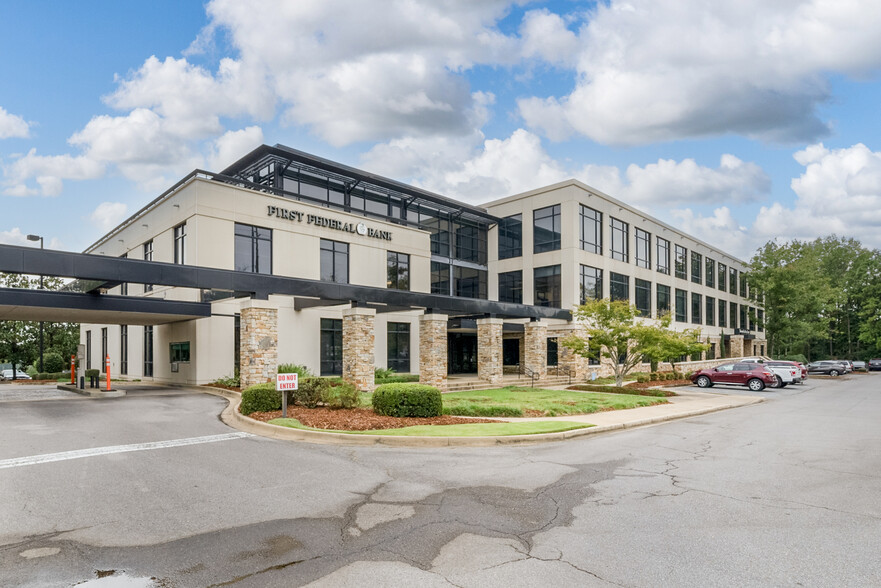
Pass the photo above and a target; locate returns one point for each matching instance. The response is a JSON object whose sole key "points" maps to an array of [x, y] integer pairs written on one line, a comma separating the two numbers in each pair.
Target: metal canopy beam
{"points": [[27, 260]]}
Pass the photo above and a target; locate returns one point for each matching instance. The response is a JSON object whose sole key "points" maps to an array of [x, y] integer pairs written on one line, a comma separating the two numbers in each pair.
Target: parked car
{"points": [[859, 366], [874, 365], [828, 367], [754, 376], [19, 375], [787, 372]]}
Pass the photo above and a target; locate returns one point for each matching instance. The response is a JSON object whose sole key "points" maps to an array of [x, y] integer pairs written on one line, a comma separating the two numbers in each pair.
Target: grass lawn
{"points": [[517, 402], [475, 430]]}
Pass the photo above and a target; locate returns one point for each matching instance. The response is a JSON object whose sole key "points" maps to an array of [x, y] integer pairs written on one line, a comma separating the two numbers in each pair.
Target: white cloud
{"points": [[232, 145], [108, 214], [720, 230], [12, 125], [48, 171], [14, 236], [545, 35], [655, 70]]}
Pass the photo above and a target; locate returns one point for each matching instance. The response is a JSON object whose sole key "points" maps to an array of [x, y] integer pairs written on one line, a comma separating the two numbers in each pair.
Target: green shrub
{"points": [[383, 373], [93, 373], [397, 379], [310, 392], [260, 398], [292, 368], [31, 371], [655, 376], [642, 379], [407, 400], [233, 381], [342, 395], [52, 362]]}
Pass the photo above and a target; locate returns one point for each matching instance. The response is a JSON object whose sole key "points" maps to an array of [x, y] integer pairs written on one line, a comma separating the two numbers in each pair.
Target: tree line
{"points": [[822, 298]]}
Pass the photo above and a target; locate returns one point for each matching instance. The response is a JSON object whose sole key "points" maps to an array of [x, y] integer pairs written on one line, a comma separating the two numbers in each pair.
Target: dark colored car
{"points": [[828, 367], [874, 365], [754, 376]]}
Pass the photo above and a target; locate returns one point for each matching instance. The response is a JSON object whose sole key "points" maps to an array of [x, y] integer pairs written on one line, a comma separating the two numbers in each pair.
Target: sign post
{"points": [[283, 383]]}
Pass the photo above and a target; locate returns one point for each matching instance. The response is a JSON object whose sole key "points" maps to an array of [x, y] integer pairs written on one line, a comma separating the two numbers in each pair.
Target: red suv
{"points": [[754, 376]]}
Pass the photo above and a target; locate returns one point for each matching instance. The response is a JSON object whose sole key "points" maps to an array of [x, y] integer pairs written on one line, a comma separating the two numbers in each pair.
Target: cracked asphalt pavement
{"points": [[781, 493]]}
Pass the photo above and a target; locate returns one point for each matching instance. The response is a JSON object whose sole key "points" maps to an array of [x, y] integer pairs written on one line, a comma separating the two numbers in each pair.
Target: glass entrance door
{"points": [[462, 354]]}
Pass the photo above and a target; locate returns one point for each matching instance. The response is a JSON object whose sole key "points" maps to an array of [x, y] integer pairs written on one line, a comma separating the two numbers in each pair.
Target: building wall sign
{"points": [[330, 223]]}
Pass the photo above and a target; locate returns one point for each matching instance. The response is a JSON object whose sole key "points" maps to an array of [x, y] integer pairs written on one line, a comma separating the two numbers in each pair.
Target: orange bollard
{"points": [[108, 372], [73, 370]]}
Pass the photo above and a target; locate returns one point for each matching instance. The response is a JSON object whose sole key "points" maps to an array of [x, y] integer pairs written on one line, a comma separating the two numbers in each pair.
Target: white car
{"points": [[19, 375]]}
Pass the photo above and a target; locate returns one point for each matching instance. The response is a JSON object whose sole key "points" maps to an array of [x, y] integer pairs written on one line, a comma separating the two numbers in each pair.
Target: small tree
{"points": [[674, 344]]}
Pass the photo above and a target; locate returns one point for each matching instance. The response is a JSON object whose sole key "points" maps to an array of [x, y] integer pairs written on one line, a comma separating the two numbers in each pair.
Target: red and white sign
{"points": [[286, 382]]}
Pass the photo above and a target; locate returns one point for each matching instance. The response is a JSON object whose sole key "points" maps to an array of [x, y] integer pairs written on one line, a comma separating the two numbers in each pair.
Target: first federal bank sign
{"points": [[330, 223]]}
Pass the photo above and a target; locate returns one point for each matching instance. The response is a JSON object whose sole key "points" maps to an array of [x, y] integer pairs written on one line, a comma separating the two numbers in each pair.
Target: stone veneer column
{"points": [[735, 346], [433, 350], [576, 363], [489, 349], [258, 358], [718, 343], [358, 348], [536, 343]]}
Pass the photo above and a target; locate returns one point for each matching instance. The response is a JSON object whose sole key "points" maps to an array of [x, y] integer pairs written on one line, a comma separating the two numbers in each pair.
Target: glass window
{"points": [[681, 306], [553, 351], [591, 230], [88, 350], [148, 256], [761, 319], [511, 287], [123, 349], [680, 261], [398, 271], [723, 314], [438, 229], [710, 314], [469, 283], [179, 351], [620, 239], [511, 237], [440, 278], [148, 351], [591, 283], [644, 297], [253, 249], [547, 286], [697, 263], [399, 347], [546, 229], [331, 347], [696, 307], [743, 316], [619, 287], [643, 248], [470, 242], [663, 256], [743, 285], [103, 348], [711, 273], [752, 319], [723, 279], [180, 243], [732, 280], [334, 261], [732, 315], [663, 299]]}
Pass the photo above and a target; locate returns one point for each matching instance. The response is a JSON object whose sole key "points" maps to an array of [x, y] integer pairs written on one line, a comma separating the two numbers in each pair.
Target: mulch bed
{"points": [[644, 385], [359, 419]]}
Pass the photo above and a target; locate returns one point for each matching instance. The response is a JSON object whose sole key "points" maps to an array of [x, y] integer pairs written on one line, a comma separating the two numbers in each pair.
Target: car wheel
{"points": [[756, 385], [778, 383], [833, 372], [704, 382]]}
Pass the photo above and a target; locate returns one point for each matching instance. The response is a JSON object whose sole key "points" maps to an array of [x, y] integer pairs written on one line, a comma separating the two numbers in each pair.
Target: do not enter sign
{"points": [[286, 382]]}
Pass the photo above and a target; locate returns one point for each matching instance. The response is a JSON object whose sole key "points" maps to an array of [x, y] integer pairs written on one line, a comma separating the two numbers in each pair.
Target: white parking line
{"points": [[80, 453]]}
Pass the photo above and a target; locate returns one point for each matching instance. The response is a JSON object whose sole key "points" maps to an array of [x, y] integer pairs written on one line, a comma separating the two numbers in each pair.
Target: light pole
{"points": [[40, 239]]}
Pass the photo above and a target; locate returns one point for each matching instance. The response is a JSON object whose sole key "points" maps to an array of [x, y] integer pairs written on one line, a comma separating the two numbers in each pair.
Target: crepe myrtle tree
{"points": [[616, 332], [672, 345]]}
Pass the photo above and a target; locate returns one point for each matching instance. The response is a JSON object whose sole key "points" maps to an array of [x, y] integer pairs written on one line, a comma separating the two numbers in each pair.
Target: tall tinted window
{"points": [[440, 278], [511, 287], [620, 239], [723, 278], [591, 230], [89, 350], [743, 285], [681, 306], [469, 283], [123, 349], [732, 315], [680, 261], [148, 256], [619, 286], [732, 280], [697, 262], [103, 348], [148, 351], [591, 283], [723, 313], [743, 317], [511, 237], [547, 286], [643, 242], [334, 261], [398, 271], [331, 347], [663, 256], [761, 319], [710, 314], [470, 242], [663, 300], [253, 249], [399, 347], [696, 307], [546, 229], [643, 293], [180, 243]]}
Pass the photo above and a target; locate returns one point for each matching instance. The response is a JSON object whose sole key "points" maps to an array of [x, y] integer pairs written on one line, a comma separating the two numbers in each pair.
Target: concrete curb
{"points": [[232, 417], [98, 393]]}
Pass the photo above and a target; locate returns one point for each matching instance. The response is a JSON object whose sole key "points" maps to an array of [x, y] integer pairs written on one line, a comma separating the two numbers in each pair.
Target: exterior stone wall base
{"points": [[258, 360], [433, 350], [489, 350], [358, 344]]}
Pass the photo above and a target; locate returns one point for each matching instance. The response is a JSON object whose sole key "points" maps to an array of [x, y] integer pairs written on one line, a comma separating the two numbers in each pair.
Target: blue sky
{"points": [[736, 121]]}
